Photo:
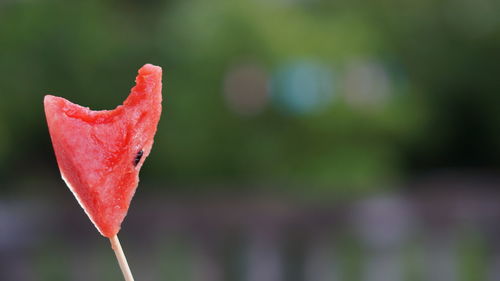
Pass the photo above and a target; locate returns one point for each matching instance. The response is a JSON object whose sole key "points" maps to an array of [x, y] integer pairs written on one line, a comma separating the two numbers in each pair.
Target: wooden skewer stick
{"points": [[120, 256]]}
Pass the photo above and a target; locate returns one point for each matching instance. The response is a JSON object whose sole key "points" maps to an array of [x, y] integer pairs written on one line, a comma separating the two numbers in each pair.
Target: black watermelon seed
{"points": [[138, 157]]}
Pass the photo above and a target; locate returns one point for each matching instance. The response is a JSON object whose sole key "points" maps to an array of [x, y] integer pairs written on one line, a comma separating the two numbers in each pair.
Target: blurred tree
{"points": [[449, 47], [392, 68]]}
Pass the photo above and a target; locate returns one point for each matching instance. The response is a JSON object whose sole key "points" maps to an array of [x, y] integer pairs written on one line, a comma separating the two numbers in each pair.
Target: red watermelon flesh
{"points": [[100, 153]]}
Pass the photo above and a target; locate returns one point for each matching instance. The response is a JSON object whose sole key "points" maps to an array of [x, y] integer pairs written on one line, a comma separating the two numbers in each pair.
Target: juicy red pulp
{"points": [[100, 153]]}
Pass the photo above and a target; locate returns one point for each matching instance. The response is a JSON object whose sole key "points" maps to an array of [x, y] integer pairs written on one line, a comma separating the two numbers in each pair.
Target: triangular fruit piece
{"points": [[100, 153]]}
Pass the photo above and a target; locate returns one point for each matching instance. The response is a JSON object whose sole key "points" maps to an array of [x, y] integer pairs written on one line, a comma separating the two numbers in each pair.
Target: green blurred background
{"points": [[295, 133]]}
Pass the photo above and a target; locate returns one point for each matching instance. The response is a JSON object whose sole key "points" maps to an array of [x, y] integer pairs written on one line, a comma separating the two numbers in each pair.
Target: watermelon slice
{"points": [[100, 153]]}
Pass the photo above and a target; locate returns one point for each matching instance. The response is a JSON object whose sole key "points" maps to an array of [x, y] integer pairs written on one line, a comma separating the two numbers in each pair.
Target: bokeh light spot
{"points": [[367, 84], [246, 89], [303, 87]]}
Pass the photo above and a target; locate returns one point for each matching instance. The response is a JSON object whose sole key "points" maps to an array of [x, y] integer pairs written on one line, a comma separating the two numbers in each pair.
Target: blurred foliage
{"points": [[441, 58]]}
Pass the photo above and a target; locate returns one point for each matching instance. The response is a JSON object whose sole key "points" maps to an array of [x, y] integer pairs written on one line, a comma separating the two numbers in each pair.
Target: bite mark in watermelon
{"points": [[100, 153]]}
